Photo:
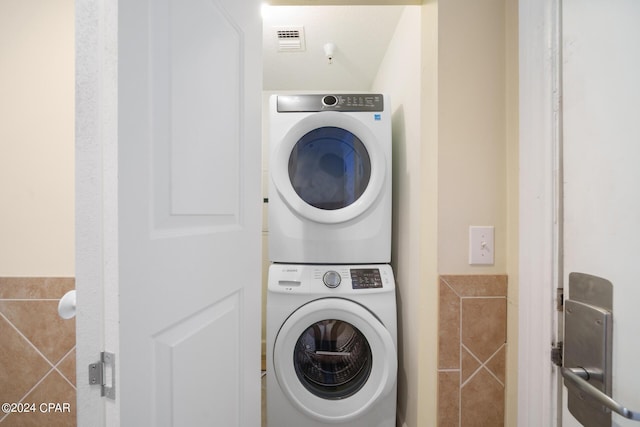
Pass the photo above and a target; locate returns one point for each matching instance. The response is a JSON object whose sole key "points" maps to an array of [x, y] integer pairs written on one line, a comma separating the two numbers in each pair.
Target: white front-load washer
{"points": [[330, 179], [331, 346]]}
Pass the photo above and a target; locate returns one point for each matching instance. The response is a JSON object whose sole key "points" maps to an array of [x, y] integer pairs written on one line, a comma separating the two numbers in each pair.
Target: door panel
{"points": [[187, 396], [196, 54], [189, 212], [198, 77], [601, 64]]}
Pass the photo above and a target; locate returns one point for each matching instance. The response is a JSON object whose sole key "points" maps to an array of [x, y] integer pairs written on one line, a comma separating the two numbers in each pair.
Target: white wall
{"points": [[472, 127], [37, 138], [455, 165], [428, 334], [478, 147], [400, 76]]}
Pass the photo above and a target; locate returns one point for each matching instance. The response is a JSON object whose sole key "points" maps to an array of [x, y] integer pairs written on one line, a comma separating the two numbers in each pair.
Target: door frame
{"points": [[540, 229], [96, 181], [96, 152]]}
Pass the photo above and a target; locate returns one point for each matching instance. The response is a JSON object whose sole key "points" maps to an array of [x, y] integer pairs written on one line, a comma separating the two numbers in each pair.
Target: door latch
{"points": [[560, 299], [101, 371], [556, 354]]}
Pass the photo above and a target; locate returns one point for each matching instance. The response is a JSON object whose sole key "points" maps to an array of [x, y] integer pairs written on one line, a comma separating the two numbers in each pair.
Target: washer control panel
{"points": [[331, 279], [365, 278], [341, 102]]}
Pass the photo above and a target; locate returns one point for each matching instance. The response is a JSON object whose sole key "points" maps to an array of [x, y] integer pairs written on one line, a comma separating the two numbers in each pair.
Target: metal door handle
{"points": [[575, 376]]}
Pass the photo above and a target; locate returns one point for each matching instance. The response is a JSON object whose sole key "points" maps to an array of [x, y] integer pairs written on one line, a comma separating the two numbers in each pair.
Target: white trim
{"points": [[539, 125], [96, 201]]}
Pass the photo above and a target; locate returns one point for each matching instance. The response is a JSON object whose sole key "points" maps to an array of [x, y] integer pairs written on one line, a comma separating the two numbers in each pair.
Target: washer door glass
{"points": [[332, 359], [329, 168]]}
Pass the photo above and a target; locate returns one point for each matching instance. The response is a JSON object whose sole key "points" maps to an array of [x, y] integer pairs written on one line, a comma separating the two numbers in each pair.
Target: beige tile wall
{"points": [[472, 350], [37, 353]]}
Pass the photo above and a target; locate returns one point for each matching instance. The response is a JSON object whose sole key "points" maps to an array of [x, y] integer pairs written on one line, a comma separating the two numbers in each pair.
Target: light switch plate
{"points": [[481, 245]]}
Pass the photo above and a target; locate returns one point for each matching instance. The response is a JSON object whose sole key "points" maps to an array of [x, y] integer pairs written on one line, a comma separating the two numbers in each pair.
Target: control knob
{"points": [[329, 101], [331, 279]]}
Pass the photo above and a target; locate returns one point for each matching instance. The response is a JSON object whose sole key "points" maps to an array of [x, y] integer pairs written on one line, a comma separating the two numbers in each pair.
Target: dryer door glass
{"points": [[332, 359], [329, 168]]}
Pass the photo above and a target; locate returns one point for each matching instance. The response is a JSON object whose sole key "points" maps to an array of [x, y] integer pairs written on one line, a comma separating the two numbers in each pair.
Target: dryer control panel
{"points": [[341, 102]]}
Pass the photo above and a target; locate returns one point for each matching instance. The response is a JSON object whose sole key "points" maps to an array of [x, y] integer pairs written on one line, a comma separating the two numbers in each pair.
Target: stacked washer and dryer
{"points": [[331, 303]]}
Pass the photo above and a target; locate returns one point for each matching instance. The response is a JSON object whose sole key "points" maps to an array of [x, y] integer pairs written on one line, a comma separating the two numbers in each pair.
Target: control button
{"points": [[331, 279], [329, 100]]}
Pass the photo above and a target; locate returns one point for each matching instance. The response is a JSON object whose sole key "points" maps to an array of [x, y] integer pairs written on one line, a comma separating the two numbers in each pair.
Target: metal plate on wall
{"points": [[588, 333]]}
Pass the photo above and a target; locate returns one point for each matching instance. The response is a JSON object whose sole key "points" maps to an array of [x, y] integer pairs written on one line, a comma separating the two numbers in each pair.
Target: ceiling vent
{"points": [[290, 39]]}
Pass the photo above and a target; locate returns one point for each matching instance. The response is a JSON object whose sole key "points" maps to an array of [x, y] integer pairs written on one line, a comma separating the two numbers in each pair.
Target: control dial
{"points": [[329, 101], [331, 279]]}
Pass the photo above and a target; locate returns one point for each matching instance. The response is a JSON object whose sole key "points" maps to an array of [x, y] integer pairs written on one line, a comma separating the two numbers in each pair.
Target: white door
{"points": [[169, 210], [601, 113]]}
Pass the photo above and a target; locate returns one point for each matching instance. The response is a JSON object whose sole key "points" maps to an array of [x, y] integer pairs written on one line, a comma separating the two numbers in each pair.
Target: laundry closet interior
{"points": [[450, 71], [334, 52]]}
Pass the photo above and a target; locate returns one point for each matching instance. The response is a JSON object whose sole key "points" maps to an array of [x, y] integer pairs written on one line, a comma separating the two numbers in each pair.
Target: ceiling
{"points": [[361, 35]]}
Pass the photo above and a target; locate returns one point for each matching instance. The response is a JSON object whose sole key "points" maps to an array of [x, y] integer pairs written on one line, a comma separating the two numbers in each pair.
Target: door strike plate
{"points": [[103, 370], [556, 354]]}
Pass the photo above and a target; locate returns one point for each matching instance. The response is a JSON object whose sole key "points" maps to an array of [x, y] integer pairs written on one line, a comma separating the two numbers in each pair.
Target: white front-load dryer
{"points": [[330, 179], [331, 346]]}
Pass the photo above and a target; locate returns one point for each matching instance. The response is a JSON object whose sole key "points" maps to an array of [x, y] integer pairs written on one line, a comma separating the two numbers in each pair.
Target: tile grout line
{"points": [[492, 292], [61, 374], [37, 384], [41, 380], [37, 351], [461, 346], [483, 365], [26, 339], [480, 364], [450, 287], [504, 345]]}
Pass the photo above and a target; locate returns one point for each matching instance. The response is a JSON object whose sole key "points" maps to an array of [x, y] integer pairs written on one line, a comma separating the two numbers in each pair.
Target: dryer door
{"points": [[329, 167], [334, 360]]}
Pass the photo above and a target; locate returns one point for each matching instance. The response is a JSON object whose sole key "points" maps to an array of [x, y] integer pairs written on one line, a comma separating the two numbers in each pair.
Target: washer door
{"points": [[329, 167], [334, 360]]}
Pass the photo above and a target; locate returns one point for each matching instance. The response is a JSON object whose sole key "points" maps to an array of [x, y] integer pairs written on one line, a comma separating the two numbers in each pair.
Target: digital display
{"points": [[365, 278]]}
